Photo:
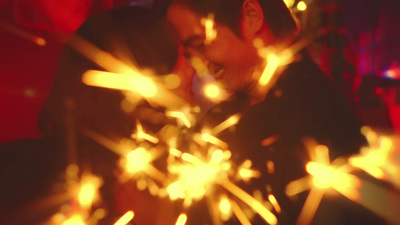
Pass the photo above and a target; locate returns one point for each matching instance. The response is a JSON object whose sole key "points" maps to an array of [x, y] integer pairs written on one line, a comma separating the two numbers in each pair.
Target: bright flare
{"points": [[137, 160], [225, 208], [274, 203], [323, 175], [272, 65], [376, 160], [131, 82], [75, 219], [212, 91], [141, 135], [231, 121], [88, 190], [181, 219], [289, 3], [125, 219], [301, 6], [208, 23]]}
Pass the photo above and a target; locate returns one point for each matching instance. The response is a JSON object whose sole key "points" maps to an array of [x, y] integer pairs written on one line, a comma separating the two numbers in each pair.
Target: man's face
{"points": [[229, 58]]}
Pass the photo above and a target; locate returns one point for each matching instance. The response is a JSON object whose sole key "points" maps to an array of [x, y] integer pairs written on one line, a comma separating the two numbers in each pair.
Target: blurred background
{"points": [[358, 47]]}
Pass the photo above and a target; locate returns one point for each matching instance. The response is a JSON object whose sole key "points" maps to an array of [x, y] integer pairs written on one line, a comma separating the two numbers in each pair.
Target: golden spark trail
{"points": [[130, 82], [107, 143], [275, 59], [181, 116], [323, 175], [213, 140], [125, 219], [376, 160], [140, 134], [232, 120], [131, 160], [208, 23], [181, 219], [310, 207], [128, 78], [239, 213], [272, 65], [274, 203], [225, 207], [267, 215], [22, 34], [74, 220]]}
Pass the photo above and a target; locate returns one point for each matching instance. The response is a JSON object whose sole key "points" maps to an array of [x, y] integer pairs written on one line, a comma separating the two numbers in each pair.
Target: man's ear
{"points": [[252, 15]]}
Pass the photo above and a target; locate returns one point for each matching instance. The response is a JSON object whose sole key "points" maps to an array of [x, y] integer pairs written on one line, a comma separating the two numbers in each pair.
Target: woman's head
{"points": [[134, 35]]}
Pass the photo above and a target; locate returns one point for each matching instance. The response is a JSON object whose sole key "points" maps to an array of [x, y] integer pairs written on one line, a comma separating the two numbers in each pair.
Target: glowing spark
{"points": [[298, 186], [134, 82], [40, 41], [323, 175], [194, 181], [232, 120], [276, 58], [274, 203], [196, 176], [140, 134], [128, 216], [208, 23], [225, 208], [181, 219], [217, 156], [289, 3], [245, 172], [270, 140], [100, 57], [123, 77], [21, 33], [270, 167], [267, 215], [74, 220], [310, 206], [211, 139], [272, 65], [137, 160], [376, 159], [175, 152], [88, 190], [301, 6], [212, 91], [109, 144], [181, 116], [239, 214]]}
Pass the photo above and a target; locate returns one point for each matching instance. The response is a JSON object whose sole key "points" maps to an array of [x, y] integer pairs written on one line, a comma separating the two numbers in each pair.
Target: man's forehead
{"points": [[187, 23]]}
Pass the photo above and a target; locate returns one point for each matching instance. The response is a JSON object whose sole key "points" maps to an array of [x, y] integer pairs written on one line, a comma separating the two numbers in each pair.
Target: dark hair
{"points": [[277, 15]]}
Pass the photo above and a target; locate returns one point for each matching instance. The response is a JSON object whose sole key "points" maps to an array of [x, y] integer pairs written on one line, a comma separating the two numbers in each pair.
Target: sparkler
{"points": [[323, 176], [205, 169], [83, 192], [191, 176], [379, 159]]}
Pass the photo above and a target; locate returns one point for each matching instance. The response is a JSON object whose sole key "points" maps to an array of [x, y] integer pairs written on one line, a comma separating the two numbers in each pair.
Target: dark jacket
{"points": [[303, 105]]}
